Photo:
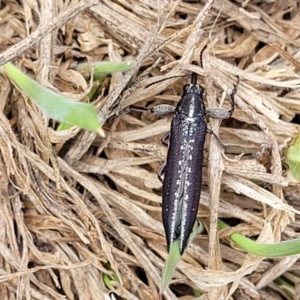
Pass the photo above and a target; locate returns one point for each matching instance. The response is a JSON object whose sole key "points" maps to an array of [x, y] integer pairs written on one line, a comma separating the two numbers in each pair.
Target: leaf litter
{"points": [[76, 206]]}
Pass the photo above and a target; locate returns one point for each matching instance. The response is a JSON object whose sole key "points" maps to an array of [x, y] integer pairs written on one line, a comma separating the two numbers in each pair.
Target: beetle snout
{"points": [[192, 89]]}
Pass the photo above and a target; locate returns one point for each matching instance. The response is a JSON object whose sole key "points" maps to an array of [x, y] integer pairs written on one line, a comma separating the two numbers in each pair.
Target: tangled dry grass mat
{"points": [[75, 206]]}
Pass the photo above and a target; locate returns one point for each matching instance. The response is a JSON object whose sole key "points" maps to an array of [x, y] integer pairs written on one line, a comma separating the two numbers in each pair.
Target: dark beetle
{"points": [[183, 170], [183, 167]]}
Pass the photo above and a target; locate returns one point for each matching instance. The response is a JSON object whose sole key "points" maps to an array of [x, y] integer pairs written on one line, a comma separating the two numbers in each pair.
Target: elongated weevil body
{"points": [[183, 167]]}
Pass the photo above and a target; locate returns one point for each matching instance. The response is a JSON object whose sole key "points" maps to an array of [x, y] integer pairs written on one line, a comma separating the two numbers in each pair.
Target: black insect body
{"points": [[183, 167]]}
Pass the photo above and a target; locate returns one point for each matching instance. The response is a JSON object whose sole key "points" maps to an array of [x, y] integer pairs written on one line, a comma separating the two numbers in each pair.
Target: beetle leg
{"points": [[234, 91], [208, 130], [129, 108], [165, 139], [163, 110], [218, 113], [161, 172], [221, 113], [159, 110]]}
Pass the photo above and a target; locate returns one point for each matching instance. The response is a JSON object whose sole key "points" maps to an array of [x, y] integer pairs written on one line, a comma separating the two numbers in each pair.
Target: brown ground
{"points": [[65, 218]]}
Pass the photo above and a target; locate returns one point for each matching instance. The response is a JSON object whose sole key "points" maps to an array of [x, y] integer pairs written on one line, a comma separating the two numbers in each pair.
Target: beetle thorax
{"points": [[191, 104]]}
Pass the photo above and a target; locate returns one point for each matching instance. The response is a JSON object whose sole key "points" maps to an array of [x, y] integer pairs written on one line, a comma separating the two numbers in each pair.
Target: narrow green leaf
{"points": [[56, 106], [170, 265], [286, 286], [107, 279], [197, 229], [293, 158], [103, 67], [197, 293], [174, 257], [63, 126], [281, 249]]}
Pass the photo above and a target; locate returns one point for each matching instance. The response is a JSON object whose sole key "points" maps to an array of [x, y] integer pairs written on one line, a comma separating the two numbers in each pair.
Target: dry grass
{"points": [[71, 201]]}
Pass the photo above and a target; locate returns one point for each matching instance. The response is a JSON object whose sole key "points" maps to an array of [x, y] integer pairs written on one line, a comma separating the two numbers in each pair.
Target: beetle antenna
{"points": [[194, 78], [163, 79], [201, 55], [194, 75]]}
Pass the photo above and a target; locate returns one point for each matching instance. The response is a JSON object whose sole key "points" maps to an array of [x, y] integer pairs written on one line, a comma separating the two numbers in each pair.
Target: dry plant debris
{"points": [[75, 206]]}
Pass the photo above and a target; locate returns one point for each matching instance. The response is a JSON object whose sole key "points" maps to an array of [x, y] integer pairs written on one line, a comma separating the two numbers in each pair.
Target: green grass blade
{"points": [[56, 106], [107, 279], [266, 250], [174, 257], [170, 265], [293, 158], [104, 67]]}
